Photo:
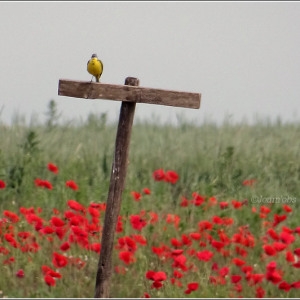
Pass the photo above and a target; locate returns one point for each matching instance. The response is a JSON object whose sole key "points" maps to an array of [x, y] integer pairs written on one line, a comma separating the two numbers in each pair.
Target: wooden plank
{"points": [[125, 93]]}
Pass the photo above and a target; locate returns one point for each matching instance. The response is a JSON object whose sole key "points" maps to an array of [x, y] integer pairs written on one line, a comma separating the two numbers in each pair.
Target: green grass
{"points": [[210, 160]]}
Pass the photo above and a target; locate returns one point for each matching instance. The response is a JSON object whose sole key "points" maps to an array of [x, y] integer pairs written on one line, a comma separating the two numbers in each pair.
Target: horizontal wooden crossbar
{"points": [[95, 90]]}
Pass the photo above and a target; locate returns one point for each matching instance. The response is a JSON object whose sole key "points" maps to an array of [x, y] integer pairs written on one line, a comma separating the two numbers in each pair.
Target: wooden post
{"points": [[113, 204], [129, 94]]}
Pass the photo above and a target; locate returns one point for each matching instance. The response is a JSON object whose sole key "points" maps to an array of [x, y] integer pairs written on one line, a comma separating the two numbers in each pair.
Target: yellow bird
{"points": [[95, 67]]}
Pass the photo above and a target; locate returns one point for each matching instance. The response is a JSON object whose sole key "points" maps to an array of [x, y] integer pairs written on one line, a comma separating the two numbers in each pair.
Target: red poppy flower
{"points": [[49, 280], [95, 213], [193, 286], [65, 246], [73, 204], [223, 205], [197, 199], [9, 237], [212, 201], [213, 280], [60, 232], [137, 222], [296, 265], [58, 260], [289, 257], [184, 202], [177, 274], [205, 225], [3, 250], [126, 244], [31, 218], [286, 238], [195, 236], [274, 276], [159, 175], [47, 230], [119, 226], [9, 260], [140, 239], [96, 247], [228, 221], [205, 255], [269, 250], [156, 285], [287, 208], [257, 278], [150, 275], [54, 274], [45, 269], [43, 183], [171, 176], [279, 246], [238, 262], [162, 251], [127, 257], [296, 285], [175, 242], [217, 244], [284, 286], [249, 182], [2, 184], [136, 196], [247, 269], [236, 204], [72, 185], [240, 251], [153, 217], [179, 261], [236, 278], [159, 276], [271, 266], [297, 230], [146, 295], [146, 191], [264, 209], [260, 292], [55, 221], [217, 220], [186, 240], [78, 231], [297, 252], [52, 168], [223, 271], [287, 229], [20, 273], [172, 218], [278, 219], [273, 234], [14, 218]]}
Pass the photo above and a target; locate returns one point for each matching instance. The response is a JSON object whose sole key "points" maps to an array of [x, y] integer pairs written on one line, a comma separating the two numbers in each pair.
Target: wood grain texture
{"points": [[126, 93], [114, 199]]}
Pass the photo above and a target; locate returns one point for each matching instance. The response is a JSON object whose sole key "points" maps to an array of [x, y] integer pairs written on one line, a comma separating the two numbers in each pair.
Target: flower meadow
{"points": [[198, 216], [202, 249]]}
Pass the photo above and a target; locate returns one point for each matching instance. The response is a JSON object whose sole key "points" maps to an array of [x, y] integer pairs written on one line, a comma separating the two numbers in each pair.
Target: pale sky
{"points": [[243, 57]]}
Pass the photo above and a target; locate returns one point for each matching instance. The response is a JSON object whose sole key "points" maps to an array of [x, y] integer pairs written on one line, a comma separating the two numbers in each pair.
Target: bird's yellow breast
{"points": [[95, 67]]}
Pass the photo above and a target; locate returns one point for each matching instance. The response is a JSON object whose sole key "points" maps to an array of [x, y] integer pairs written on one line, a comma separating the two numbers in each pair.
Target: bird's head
{"points": [[94, 55]]}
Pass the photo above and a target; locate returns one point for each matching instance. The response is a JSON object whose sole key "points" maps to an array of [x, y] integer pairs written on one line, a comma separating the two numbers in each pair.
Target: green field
{"points": [[213, 163]]}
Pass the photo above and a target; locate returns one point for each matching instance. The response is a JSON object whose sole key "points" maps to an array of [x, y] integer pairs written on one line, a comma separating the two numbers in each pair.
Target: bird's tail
{"points": [[97, 78]]}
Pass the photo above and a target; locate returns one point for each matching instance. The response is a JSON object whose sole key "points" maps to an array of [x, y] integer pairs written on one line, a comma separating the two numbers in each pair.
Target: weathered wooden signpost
{"points": [[129, 94]]}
